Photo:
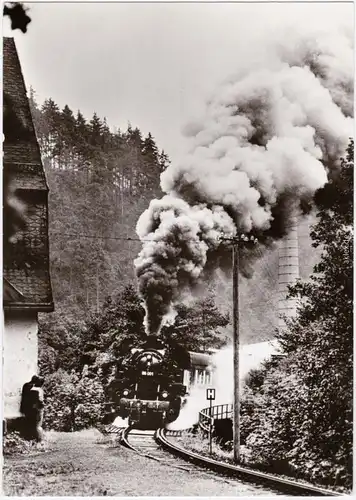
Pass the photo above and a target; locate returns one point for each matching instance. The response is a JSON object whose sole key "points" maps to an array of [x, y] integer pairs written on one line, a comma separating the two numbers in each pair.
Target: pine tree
{"points": [[149, 149], [96, 130], [82, 135], [81, 127], [67, 134], [152, 167], [163, 161], [198, 327], [51, 145], [36, 113], [68, 126], [51, 116], [134, 137]]}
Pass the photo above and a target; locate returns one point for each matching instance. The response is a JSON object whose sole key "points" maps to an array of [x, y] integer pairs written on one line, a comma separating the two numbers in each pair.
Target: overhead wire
{"points": [[127, 238], [269, 271], [96, 237]]}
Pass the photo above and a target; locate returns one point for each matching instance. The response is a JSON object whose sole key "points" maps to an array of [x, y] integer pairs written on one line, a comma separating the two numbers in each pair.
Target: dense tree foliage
{"points": [[100, 182], [73, 402], [198, 326], [308, 399]]}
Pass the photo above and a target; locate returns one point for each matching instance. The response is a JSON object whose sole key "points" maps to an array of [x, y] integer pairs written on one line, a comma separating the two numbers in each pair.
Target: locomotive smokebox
{"points": [[154, 342]]}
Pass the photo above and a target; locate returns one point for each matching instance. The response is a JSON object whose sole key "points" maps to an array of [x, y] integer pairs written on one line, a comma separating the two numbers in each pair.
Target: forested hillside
{"points": [[100, 181]]}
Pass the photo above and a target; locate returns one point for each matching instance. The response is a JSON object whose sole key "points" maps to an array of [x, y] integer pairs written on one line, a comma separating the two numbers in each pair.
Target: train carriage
{"points": [[200, 372]]}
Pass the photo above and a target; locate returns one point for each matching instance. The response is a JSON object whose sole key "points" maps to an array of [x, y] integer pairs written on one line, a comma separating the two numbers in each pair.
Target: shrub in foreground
{"points": [[14, 444], [73, 403]]}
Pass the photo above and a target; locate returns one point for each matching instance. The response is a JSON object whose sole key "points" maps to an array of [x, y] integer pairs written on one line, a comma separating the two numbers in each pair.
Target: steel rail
{"points": [[125, 439], [283, 485], [162, 455]]}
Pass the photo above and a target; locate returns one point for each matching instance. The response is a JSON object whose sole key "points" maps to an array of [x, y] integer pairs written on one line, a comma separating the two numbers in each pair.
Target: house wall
{"points": [[20, 357]]}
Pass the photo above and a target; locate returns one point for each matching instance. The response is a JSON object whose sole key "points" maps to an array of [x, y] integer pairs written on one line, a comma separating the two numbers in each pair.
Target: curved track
{"points": [[243, 473], [144, 442], [156, 446]]}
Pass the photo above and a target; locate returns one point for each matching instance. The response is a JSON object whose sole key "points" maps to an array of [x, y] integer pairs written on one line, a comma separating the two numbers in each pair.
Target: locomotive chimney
{"points": [[288, 271]]}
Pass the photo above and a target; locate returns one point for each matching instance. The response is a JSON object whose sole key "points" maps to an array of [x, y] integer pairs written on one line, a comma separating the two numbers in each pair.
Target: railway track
{"points": [[156, 445], [283, 485], [144, 442]]}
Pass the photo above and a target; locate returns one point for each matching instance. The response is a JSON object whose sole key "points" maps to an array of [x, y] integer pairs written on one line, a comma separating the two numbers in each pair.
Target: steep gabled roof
{"points": [[26, 256]]}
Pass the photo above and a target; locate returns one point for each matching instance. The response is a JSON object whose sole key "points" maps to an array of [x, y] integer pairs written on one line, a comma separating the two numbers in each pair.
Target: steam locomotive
{"points": [[153, 381]]}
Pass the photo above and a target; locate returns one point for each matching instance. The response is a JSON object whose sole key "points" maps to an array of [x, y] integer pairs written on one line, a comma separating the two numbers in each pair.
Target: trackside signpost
{"points": [[210, 396]]}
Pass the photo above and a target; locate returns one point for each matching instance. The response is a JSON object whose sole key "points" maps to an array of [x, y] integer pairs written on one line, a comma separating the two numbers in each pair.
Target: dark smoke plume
{"points": [[270, 138]]}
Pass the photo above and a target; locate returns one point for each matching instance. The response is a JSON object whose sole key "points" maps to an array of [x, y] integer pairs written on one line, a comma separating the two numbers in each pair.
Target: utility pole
{"points": [[235, 242], [236, 347], [97, 289]]}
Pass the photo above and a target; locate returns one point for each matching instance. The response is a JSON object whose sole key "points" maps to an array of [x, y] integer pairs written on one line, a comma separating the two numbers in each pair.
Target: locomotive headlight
{"points": [[164, 394], [125, 392], [149, 357]]}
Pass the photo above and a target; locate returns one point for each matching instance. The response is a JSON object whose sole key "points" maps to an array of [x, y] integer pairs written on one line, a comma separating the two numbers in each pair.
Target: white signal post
{"points": [[210, 396]]}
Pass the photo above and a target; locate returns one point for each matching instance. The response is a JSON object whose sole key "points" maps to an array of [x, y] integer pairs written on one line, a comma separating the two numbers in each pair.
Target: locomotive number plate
{"points": [[148, 374]]}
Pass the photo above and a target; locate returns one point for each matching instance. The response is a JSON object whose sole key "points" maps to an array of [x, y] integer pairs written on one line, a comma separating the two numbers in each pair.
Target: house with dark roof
{"points": [[26, 279]]}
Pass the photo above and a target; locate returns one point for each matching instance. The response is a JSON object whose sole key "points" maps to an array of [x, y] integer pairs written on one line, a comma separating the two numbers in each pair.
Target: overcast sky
{"points": [[152, 64]]}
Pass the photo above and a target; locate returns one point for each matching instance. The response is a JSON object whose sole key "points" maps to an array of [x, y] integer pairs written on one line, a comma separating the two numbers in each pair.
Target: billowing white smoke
{"points": [[251, 357], [121, 422], [269, 139]]}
